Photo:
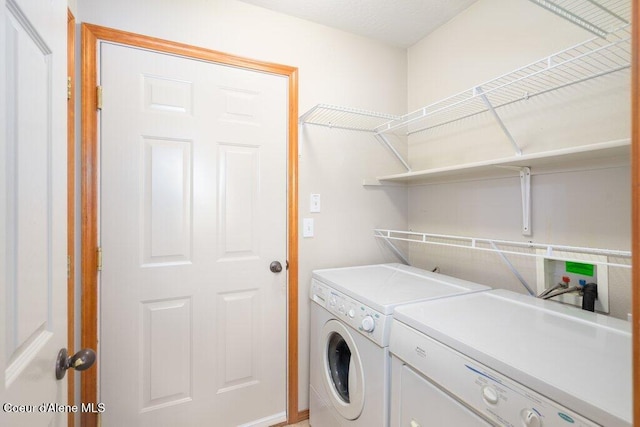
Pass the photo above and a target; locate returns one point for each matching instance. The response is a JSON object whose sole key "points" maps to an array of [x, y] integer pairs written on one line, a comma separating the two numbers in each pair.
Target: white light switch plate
{"points": [[307, 227], [314, 203]]}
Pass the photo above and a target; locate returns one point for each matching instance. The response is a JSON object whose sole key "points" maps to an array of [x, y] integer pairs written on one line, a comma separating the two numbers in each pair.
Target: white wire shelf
{"points": [[599, 17], [529, 249], [338, 117], [594, 58]]}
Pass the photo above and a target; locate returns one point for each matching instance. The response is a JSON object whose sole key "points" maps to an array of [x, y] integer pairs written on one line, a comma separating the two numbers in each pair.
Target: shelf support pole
{"points": [[393, 247], [383, 139], [525, 188], [513, 269], [487, 103]]}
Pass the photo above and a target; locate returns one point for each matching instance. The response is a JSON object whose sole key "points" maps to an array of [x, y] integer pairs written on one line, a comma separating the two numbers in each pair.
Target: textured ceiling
{"points": [[396, 22]]}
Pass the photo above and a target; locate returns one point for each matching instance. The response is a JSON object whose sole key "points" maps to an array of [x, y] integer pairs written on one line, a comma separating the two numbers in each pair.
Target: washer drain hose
{"points": [[589, 297]]}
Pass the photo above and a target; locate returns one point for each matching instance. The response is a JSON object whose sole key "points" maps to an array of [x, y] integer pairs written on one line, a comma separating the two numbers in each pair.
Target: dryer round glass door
{"points": [[343, 378]]}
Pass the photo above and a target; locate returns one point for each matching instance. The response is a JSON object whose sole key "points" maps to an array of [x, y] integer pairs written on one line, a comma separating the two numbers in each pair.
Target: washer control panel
{"points": [[360, 317], [493, 395]]}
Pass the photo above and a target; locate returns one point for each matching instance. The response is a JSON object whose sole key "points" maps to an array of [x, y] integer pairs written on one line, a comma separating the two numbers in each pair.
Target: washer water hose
{"points": [[589, 293], [562, 291], [549, 290]]}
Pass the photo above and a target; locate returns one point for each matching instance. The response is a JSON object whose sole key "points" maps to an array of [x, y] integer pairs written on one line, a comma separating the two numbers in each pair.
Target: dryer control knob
{"points": [[490, 395], [368, 324], [530, 418]]}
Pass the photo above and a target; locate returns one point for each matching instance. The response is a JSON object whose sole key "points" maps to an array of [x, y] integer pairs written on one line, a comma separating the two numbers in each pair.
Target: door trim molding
{"points": [[635, 207], [91, 36], [71, 197]]}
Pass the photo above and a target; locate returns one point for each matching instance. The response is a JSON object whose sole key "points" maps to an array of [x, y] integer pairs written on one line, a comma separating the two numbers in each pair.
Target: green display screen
{"points": [[580, 268]]}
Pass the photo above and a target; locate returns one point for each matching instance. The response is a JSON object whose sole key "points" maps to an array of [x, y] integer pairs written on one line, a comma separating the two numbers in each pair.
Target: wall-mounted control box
{"points": [[572, 269]]}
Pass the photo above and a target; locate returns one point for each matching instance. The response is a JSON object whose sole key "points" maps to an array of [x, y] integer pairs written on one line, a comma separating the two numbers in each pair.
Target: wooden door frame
{"points": [[71, 201], [635, 206], [91, 36]]}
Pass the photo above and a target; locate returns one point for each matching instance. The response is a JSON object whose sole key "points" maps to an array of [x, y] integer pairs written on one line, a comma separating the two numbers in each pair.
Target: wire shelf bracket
{"points": [[513, 270], [383, 139], [525, 192], [393, 248], [487, 103]]}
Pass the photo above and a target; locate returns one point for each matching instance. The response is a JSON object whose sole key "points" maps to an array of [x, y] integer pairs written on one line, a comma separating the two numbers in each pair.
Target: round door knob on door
{"points": [[275, 267], [80, 361]]}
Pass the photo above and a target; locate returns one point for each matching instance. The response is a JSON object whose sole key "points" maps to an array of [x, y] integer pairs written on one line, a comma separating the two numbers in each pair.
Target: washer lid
{"points": [[582, 360], [384, 286]]}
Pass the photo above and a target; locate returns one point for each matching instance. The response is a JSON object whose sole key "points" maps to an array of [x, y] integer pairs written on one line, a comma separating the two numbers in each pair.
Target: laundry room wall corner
{"points": [[581, 204]]}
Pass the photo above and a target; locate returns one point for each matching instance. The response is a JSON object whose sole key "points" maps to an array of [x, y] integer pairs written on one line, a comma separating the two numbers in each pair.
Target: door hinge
{"points": [[99, 259], [99, 97], [68, 88]]}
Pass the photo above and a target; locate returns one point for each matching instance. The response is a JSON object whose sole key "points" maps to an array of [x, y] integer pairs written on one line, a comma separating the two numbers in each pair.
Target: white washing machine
{"points": [[506, 359], [350, 322]]}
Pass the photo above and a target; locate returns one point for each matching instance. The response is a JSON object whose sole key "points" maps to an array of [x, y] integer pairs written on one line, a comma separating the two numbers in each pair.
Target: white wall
{"points": [[73, 6], [590, 208], [580, 208], [334, 67]]}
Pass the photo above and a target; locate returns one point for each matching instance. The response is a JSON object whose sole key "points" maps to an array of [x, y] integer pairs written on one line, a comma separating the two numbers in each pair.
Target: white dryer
{"points": [[501, 358], [350, 322]]}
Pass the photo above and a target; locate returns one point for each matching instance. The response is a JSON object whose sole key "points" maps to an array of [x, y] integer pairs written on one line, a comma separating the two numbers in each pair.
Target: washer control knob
{"points": [[490, 395], [368, 324], [530, 418], [352, 313]]}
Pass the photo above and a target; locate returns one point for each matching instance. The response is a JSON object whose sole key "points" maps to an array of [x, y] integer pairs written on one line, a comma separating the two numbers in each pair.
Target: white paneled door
{"points": [[33, 198], [192, 214]]}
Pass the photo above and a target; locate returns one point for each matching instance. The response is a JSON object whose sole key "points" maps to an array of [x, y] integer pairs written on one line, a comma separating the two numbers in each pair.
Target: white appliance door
{"points": [[192, 213], [343, 374], [423, 404], [33, 208]]}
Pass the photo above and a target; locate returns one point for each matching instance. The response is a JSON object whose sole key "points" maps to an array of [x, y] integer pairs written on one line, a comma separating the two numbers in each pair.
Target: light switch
{"points": [[314, 203], [307, 227]]}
